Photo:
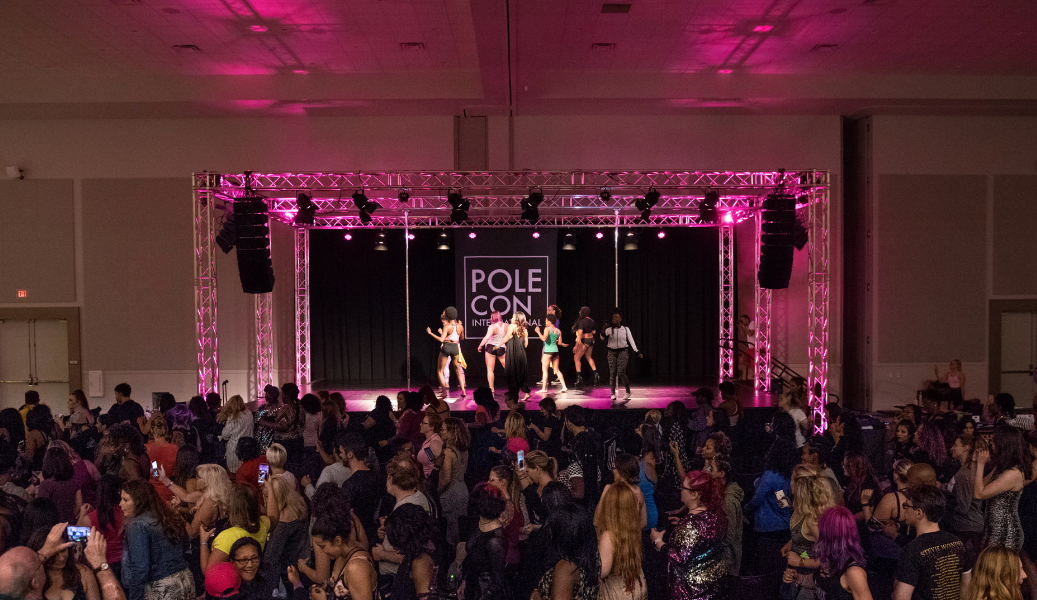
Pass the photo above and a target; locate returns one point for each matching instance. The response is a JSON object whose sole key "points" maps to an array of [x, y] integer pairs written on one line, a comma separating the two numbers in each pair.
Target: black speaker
{"points": [[253, 229], [776, 241]]}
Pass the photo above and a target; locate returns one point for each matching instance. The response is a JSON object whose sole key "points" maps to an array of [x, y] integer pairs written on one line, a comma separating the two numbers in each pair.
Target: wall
{"points": [[954, 213], [126, 184]]}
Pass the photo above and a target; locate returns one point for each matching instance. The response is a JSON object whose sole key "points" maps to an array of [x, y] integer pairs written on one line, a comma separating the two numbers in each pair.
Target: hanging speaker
{"points": [[252, 226], [776, 241]]}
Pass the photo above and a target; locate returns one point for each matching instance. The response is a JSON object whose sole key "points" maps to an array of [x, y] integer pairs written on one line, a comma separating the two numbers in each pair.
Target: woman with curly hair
{"points": [[862, 486], [930, 446], [696, 547], [409, 530], [717, 447], [997, 575], [812, 496], [153, 565], [619, 545], [211, 496]]}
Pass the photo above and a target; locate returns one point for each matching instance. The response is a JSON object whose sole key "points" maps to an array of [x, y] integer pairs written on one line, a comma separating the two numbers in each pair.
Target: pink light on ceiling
{"points": [[536, 235], [259, 28], [472, 235], [725, 71], [763, 28], [599, 235], [661, 234], [410, 236], [348, 236], [300, 71]]}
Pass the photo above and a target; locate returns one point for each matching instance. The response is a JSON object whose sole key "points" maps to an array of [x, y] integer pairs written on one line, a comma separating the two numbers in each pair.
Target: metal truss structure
{"points": [[728, 308], [572, 199], [818, 282], [762, 349]]}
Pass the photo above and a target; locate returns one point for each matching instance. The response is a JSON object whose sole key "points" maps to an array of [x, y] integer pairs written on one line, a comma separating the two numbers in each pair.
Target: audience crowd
{"points": [[299, 498]]}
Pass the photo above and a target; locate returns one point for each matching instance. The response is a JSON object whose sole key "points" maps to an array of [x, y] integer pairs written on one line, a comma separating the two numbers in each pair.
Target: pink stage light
{"points": [[729, 217], [348, 236], [410, 236], [725, 71], [763, 28], [258, 28], [472, 235], [300, 71], [661, 234], [536, 235], [599, 235]]}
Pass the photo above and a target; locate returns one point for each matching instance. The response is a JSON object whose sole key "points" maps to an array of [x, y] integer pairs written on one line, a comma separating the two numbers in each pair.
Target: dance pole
{"points": [[406, 273], [616, 257]]}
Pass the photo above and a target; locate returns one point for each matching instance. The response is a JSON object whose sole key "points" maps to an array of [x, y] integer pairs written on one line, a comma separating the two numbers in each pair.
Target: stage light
{"points": [[404, 196], [708, 207], [471, 235], [605, 194], [569, 241], [228, 236], [661, 234], [599, 235], [444, 241], [729, 217], [410, 236], [531, 205], [380, 244], [536, 235], [647, 203], [365, 206], [631, 241], [459, 206], [348, 236], [307, 210]]}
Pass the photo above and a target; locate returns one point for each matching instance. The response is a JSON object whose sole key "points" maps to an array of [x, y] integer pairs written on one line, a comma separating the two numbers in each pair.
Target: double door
{"points": [[34, 355]]}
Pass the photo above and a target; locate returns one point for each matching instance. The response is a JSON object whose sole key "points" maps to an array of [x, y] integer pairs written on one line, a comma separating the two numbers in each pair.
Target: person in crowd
{"points": [[126, 409], [577, 573], [546, 424], [651, 456], [380, 427], [284, 420], [966, 426], [40, 430], [955, 379], [211, 499], [792, 402], [310, 419], [41, 513], [12, 427], [570, 474], [408, 426], [267, 410], [107, 518], [883, 551], [771, 504], [1003, 486], [332, 420], [32, 400], [1028, 516], [353, 572], [997, 575], [432, 445], [966, 519], [59, 485], [812, 495], [122, 451], [904, 443], [841, 575], [243, 519], [934, 564], [185, 475], [403, 480], [161, 451], [207, 430], [931, 448], [717, 421], [237, 423], [716, 447], [850, 438], [11, 505], [504, 478], [433, 403], [289, 539], [586, 447], [540, 470], [733, 497], [222, 581], [697, 424], [453, 493], [277, 458], [365, 487], [619, 543], [626, 470], [552, 338], [247, 557], [484, 555], [861, 495], [65, 577], [696, 547], [153, 564], [815, 454], [409, 530], [515, 434], [729, 402], [79, 416], [336, 468]]}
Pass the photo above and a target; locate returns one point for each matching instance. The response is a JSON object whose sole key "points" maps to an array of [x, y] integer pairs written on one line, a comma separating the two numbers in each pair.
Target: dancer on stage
{"points": [[492, 345], [515, 342], [450, 336], [620, 342], [584, 328], [552, 338]]}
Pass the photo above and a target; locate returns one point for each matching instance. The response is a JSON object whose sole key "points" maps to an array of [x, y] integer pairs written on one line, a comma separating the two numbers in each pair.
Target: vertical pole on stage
{"points": [[616, 256], [406, 274]]}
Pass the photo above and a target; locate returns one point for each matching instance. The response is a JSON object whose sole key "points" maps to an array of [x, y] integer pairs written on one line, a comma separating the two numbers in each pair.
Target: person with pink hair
{"points": [[931, 447], [838, 548]]}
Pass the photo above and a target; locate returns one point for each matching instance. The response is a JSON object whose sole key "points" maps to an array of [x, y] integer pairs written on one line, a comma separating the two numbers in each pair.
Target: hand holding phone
{"points": [[263, 471], [522, 460], [77, 534], [154, 468]]}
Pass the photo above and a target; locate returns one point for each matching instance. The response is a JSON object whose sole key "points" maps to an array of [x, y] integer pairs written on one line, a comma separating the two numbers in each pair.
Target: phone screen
{"points": [[263, 470], [77, 534], [521, 459], [154, 468]]}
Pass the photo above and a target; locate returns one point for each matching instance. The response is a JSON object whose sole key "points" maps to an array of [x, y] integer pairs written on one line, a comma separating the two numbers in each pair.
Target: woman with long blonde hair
{"points": [[515, 363], [237, 423], [997, 575], [290, 536], [211, 498], [515, 432], [811, 496], [619, 544]]}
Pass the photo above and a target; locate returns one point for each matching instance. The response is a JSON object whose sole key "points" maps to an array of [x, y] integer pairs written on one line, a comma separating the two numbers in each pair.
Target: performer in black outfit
{"points": [[620, 342], [515, 341], [450, 336], [584, 328]]}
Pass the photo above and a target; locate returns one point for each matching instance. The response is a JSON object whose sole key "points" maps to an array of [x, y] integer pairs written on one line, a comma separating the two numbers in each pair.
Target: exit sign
{"points": [[22, 293]]}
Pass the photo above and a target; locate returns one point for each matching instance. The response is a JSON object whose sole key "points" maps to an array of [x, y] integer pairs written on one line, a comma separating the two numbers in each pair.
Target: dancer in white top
{"points": [[620, 342], [492, 345], [451, 335]]}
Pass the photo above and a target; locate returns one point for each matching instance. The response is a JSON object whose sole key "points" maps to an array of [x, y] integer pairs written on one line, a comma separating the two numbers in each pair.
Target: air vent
{"points": [[615, 8], [187, 47], [412, 46], [603, 46], [818, 47]]}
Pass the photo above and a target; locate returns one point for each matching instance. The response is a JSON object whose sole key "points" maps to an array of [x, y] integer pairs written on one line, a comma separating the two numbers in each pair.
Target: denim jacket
{"points": [[148, 555], [768, 515]]}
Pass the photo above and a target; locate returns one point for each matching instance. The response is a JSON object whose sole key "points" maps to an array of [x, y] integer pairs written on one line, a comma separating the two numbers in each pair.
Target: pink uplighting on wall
{"points": [[763, 28], [472, 235]]}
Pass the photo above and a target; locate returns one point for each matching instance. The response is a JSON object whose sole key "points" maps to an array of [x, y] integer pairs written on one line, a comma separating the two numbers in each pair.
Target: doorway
{"points": [[39, 350], [1013, 349]]}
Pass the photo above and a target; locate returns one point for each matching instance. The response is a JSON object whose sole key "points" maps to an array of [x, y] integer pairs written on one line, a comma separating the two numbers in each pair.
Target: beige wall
{"points": [[37, 241], [954, 213]]}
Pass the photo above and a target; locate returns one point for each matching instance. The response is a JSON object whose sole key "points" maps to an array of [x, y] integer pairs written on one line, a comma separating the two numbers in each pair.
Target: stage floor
{"points": [[642, 397]]}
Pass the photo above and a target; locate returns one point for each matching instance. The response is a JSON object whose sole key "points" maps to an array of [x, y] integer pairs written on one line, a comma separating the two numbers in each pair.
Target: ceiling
{"points": [[140, 58]]}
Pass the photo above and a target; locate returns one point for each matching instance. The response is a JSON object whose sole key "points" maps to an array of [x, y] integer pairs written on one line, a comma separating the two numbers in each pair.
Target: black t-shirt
{"points": [[553, 444], [933, 563], [127, 411], [587, 447], [364, 490], [586, 324]]}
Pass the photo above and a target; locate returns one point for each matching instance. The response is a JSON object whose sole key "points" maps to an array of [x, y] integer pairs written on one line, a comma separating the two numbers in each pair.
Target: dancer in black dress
{"points": [[584, 328], [515, 342], [450, 337]]}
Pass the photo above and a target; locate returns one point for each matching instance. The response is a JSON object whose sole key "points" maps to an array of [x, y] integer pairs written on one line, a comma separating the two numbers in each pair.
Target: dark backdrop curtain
{"points": [[357, 306]]}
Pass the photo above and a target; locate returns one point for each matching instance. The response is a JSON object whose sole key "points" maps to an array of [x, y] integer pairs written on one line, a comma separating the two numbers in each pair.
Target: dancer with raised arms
{"points": [[492, 346], [584, 328], [552, 338], [450, 337]]}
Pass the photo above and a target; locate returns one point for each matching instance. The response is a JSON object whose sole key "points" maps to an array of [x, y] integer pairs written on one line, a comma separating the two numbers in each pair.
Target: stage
{"points": [[642, 397]]}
